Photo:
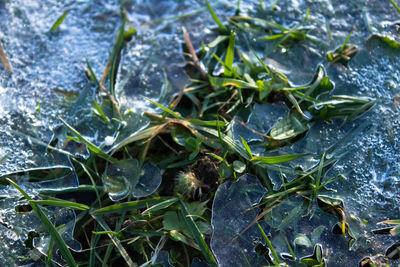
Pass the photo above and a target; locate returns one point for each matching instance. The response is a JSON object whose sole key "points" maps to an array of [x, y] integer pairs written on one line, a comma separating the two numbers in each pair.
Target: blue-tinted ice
{"points": [[49, 81], [232, 212]]}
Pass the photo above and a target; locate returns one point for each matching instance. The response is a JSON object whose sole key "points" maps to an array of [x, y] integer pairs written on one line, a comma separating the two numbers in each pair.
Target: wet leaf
{"points": [[302, 240], [277, 159], [393, 252], [195, 231], [221, 26], [230, 54], [383, 231], [316, 233], [223, 82], [59, 20], [385, 40], [289, 127], [315, 260], [239, 166], [341, 106], [331, 205], [129, 206]]}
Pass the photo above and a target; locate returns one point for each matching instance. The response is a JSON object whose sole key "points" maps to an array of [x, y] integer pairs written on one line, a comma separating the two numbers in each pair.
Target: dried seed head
{"points": [[187, 184]]}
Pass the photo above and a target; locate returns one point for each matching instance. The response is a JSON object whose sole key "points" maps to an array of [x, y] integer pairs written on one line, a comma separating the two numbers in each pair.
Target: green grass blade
{"points": [[230, 55], [390, 222], [223, 82], [50, 227], [169, 111], [345, 41], [59, 20], [320, 75], [113, 60], [226, 139], [89, 144], [93, 244], [319, 175], [216, 19], [129, 206], [278, 159], [196, 234], [265, 66], [217, 123], [59, 203], [91, 72], [134, 137], [395, 5], [3, 158], [115, 240], [162, 205], [246, 146], [97, 109], [269, 244]]}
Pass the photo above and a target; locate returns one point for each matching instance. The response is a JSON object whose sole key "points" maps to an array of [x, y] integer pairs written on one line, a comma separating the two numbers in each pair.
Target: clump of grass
{"points": [[224, 83]]}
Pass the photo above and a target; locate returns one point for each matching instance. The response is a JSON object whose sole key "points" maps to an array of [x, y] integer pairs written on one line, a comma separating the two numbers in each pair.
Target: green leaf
{"points": [[50, 227], [391, 222], [277, 159], [218, 40], [98, 111], [230, 54], [226, 139], [129, 206], [395, 5], [197, 234], [269, 244], [91, 72], [128, 34], [193, 145], [385, 40], [59, 20], [61, 203], [224, 171], [239, 166], [172, 221], [288, 127], [223, 82], [89, 144], [216, 19], [115, 240], [119, 235], [169, 111], [162, 205], [246, 146], [341, 106], [317, 81], [136, 136], [302, 240], [316, 233], [113, 59]]}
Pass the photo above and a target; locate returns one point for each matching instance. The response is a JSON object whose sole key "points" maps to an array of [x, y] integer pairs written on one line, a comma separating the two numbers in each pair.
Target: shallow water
{"points": [[49, 80]]}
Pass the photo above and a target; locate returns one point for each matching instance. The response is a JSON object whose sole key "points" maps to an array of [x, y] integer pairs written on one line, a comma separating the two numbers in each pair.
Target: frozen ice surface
{"points": [[261, 120], [149, 181], [49, 81], [122, 178], [17, 226], [232, 212], [48, 68], [152, 64]]}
